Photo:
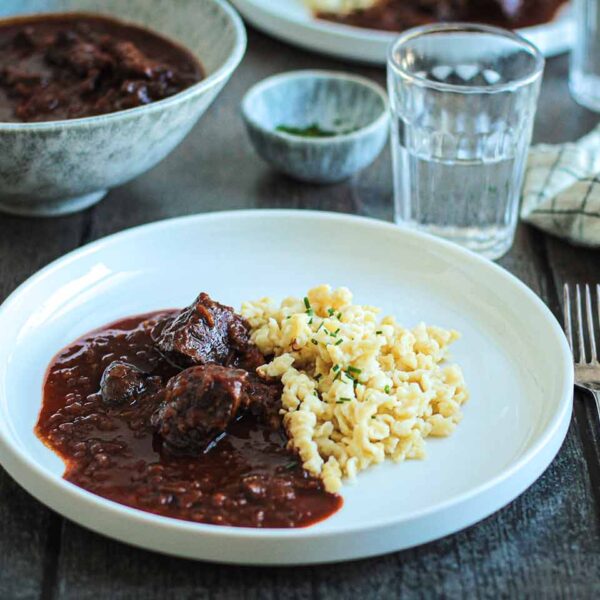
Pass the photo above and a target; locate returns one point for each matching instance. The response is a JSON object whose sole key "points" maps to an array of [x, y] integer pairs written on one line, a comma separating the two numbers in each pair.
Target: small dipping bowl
{"points": [[317, 126]]}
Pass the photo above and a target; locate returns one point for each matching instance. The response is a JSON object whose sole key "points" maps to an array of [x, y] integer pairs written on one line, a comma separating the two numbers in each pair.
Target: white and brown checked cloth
{"points": [[561, 191]]}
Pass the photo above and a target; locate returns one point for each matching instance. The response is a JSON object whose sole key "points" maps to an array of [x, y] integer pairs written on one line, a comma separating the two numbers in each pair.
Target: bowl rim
{"points": [[222, 73], [273, 80]]}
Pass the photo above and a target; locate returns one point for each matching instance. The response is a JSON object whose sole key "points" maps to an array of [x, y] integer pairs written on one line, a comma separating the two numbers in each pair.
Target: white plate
{"points": [[291, 21], [513, 353]]}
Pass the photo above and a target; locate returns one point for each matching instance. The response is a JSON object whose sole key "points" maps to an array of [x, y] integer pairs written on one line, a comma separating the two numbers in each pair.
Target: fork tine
{"points": [[590, 323], [579, 313], [567, 314], [598, 302]]}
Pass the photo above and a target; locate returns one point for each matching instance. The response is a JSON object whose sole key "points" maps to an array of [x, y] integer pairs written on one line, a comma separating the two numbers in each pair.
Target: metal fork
{"points": [[587, 372]]}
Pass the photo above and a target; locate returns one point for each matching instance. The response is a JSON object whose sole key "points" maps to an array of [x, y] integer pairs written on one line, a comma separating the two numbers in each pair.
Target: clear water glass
{"points": [[584, 75], [463, 100]]}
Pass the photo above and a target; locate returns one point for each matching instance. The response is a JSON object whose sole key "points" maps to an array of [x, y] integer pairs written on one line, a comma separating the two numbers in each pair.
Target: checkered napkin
{"points": [[561, 193]]}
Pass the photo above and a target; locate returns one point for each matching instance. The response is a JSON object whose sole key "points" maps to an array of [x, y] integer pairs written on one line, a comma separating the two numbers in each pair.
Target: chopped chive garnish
{"points": [[319, 327], [338, 342], [306, 303], [354, 370], [314, 342], [330, 311], [310, 312], [336, 331], [290, 466], [372, 416], [289, 317], [386, 389], [336, 368], [379, 332], [337, 376], [342, 400], [310, 321], [339, 315]]}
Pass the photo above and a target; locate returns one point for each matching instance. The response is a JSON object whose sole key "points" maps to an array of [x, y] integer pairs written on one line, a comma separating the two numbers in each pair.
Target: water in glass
{"points": [[462, 112]]}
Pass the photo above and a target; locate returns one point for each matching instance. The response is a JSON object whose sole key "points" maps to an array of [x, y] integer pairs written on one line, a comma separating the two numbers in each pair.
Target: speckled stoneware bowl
{"points": [[61, 167], [353, 107]]}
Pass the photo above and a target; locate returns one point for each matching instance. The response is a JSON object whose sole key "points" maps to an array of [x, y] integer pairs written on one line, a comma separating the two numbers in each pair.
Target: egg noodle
{"points": [[357, 388]]}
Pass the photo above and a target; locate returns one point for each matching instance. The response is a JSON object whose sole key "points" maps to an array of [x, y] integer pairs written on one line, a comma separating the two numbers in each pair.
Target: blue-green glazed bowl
{"points": [[60, 167], [354, 108]]}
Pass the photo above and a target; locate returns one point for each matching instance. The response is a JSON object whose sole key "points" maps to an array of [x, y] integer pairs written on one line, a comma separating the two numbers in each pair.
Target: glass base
{"points": [[586, 91], [490, 242]]}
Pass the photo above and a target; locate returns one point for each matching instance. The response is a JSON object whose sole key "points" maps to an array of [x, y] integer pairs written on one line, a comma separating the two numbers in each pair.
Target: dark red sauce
{"points": [[65, 66], [247, 477], [397, 15]]}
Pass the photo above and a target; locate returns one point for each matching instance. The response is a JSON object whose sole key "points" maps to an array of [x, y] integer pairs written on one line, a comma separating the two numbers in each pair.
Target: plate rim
{"points": [[560, 420]]}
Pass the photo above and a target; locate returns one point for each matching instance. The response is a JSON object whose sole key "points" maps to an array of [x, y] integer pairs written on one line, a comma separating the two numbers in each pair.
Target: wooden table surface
{"points": [[546, 544]]}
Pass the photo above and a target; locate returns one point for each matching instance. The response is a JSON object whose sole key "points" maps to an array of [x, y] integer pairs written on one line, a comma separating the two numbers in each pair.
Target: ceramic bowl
{"points": [[59, 167], [353, 108]]}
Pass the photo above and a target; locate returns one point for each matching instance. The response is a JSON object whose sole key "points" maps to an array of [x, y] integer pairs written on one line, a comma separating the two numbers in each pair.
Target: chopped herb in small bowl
{"points": [[313, 131]]}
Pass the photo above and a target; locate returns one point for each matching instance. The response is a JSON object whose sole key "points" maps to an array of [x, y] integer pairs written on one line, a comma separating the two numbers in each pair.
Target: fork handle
{"points": [[596, 394]]}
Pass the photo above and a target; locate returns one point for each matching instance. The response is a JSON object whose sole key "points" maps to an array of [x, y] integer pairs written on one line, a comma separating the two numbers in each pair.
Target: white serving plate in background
{"points": [[292, 22], [513, 353]]}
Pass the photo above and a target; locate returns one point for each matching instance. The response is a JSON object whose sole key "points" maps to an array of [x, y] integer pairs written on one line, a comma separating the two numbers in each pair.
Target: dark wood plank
{"points": [[27, 537], [562, 119], [571, 264], [29, 532]]}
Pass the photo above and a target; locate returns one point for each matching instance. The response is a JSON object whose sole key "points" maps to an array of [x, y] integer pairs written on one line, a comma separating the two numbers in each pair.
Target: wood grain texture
{"points": [[546, 544], [29, 533]]}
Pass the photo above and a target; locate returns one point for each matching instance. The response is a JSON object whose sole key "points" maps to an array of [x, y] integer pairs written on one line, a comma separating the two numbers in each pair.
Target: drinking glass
{"points": [[463, 99], [584, 75]]}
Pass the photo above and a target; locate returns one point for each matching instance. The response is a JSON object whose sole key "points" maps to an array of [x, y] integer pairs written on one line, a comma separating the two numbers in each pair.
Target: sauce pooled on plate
{"points": [[164, 412], [397, 15]]}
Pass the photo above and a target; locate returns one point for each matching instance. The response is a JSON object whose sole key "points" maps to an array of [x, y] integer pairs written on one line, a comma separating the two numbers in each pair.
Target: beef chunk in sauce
{"points": [[199, 403], [249, 360], [123, 383], [202, 401], [67, 66], [264, 400], [205, 332]]}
